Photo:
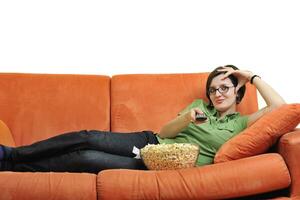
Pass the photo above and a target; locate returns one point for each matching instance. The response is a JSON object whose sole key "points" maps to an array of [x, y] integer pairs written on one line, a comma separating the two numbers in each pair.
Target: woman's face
{"points": [[222, 94]]}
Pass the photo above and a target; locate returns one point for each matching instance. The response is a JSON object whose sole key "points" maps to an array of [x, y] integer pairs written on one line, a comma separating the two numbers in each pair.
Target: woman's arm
{"points": [[175, 126], [270, 96]]}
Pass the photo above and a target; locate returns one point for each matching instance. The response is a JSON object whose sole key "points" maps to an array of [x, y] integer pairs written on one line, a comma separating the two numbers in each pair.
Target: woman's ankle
{"points": [[1, 152], [5, 152]]}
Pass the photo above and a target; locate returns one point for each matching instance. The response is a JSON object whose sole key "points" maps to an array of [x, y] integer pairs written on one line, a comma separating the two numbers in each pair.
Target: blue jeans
{"points": [[83, 151]]}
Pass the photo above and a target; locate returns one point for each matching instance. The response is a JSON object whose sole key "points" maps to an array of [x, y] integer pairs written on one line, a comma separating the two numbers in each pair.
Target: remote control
{"points": [[200, 117]]}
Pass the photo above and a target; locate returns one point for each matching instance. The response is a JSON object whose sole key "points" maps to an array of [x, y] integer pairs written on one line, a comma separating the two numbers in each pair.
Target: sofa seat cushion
{"points": [[248, 176], [28, 186]]}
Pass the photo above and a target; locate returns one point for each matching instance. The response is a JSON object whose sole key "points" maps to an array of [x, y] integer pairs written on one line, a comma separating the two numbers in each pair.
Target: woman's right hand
{"points": [[175, 126], [191, 115]]}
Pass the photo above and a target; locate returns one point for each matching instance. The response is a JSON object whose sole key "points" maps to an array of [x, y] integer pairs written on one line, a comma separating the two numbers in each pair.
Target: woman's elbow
{"points": [[280, 103], [165, 134], [277, 105], [162, 133], [159, 134]]}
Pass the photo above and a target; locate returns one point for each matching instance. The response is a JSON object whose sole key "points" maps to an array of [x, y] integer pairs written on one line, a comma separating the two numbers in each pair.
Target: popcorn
{"points": [[169, 156]]}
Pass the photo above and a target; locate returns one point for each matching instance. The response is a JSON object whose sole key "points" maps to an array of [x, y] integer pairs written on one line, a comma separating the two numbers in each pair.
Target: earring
{"points": [[237, 99]]}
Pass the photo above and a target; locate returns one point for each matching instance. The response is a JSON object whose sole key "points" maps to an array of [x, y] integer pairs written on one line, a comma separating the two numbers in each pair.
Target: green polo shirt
{"points": [[211, 135]]}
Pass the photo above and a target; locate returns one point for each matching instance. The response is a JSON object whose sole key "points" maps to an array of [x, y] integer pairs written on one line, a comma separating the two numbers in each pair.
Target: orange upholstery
{"points": [[5, 135], [148, 101], [64, 186], [289, 148], [37, 106], [218, 181], [261, 135]]}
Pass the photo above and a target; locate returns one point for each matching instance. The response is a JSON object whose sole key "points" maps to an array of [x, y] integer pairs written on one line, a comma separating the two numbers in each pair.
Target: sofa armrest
{"points": [[5, 135], [289, 148], [248, 176]]}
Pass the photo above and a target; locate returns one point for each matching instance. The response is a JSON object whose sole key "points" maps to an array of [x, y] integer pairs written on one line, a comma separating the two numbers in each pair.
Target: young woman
{"points": [[93, 151]]}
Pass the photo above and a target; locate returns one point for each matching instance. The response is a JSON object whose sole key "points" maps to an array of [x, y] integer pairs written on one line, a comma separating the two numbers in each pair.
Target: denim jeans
{"points": [[83, 151]]}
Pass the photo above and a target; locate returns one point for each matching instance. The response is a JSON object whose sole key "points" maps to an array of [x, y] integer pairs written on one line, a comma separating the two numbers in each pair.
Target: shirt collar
{"points": [[214, 113], [228, 116]]}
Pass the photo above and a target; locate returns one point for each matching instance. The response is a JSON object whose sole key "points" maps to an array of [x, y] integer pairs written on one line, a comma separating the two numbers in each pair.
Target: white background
{"points": [[155, 36]]}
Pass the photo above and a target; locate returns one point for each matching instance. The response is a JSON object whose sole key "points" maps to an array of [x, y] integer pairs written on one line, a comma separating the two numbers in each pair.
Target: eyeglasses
{"points": [[222, 89]]}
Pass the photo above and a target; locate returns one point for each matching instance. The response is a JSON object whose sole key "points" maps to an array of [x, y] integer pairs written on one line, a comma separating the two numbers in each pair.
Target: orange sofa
{"points": [[38, 106]]}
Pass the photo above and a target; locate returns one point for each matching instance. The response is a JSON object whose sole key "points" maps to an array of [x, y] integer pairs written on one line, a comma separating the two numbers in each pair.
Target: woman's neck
{"points": [[227, 112]]}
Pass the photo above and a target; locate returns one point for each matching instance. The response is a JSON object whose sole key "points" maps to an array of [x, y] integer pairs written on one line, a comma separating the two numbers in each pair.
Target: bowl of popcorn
{"points": [[170, 156]]}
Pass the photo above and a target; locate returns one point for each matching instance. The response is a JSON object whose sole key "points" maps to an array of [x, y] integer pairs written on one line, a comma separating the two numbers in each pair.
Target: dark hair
{"points": [[234, 80]]}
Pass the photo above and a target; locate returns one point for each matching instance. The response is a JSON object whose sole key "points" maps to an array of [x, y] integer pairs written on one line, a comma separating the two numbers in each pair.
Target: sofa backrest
{"points": [[37, 106], [148, 101]]}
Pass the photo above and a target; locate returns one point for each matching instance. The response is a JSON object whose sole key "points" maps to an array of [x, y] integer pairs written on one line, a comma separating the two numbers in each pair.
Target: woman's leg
{"points": [[78, 161], [113, 143], [48, 147]]}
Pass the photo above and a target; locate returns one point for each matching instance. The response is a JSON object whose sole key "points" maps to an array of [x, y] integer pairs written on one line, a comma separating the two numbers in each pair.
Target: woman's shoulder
{"points": [[204, 106], [241, 121]]}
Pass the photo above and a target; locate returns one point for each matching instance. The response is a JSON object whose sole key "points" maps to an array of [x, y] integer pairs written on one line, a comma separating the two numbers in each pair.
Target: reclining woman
{"points": [[93, 151]]}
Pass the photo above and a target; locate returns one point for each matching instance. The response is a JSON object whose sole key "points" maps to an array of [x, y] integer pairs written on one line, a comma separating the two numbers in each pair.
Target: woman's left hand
{"points": [[243, 76]]}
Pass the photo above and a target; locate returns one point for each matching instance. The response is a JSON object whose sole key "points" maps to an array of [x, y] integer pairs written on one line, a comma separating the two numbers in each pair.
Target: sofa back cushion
{"points": [[37, 106], [148, 101]]}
